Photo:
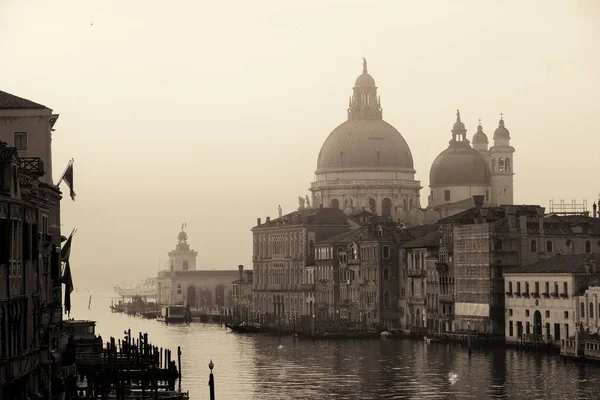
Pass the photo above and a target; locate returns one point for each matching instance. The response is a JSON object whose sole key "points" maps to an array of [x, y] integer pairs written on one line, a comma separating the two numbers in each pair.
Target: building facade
{"points": [[366, 163], [548, 301], [28, 127], [30, 271], [184, 284], [282, 249], [243, 302], [463, 171]]}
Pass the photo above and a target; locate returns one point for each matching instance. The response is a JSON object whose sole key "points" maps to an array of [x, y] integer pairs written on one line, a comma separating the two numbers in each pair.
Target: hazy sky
{"points": [[213, 113]]}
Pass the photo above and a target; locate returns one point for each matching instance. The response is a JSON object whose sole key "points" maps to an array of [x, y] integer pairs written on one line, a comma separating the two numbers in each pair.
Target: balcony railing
{"points": [[416, 273], [33, 166]]}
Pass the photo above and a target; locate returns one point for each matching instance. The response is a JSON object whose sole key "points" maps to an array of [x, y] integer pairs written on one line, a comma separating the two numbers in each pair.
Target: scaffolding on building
{"points": [[561, 207]]}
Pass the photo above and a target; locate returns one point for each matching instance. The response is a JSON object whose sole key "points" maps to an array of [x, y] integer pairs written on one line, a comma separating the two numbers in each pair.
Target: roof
{"points": [[364, 144], [468, 216], [354, 235], [310, 216], [459, 165], [429, 240], [11, 102], [561, 264]]}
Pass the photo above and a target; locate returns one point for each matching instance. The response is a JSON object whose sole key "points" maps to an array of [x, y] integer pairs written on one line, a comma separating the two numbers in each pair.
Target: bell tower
{"points": [[502, 157]]}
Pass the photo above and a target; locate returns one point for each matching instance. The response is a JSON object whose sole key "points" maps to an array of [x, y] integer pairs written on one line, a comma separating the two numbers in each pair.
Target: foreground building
{"points": [[547, 301], [30, 293], [243, 303]]}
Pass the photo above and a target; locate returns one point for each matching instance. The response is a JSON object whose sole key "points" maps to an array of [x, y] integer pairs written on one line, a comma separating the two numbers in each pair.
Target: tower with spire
{"points": [[501, 155]]}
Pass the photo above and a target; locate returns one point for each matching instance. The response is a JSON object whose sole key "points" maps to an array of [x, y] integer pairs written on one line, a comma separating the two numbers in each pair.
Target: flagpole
{"points": [[65, 171]]}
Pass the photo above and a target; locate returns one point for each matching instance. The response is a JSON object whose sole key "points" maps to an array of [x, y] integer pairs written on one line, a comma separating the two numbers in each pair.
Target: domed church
{"points": [[462, 171], [365, 163]]}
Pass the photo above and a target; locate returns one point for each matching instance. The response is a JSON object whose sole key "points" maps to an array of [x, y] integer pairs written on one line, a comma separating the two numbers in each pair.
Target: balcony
{"points": [[33, 166], [416, 273], [446, 298], [307, 287]]}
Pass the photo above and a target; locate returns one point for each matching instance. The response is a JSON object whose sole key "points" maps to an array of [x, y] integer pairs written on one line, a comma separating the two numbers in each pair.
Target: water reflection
{"points": [[262, 367]]}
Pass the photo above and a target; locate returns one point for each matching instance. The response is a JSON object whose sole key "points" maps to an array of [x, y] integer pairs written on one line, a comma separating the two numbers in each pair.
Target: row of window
{"points": [[503, 164], [555, 287], [550, 246], [529, 329], [366, 253]]}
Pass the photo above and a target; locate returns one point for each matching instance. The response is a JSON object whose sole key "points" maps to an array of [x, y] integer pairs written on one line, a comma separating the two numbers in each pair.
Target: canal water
{"points": [[269, 368]]}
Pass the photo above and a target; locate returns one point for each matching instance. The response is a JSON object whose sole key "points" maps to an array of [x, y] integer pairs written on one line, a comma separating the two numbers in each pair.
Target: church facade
{"points": [[462, 171], [365, 163]]}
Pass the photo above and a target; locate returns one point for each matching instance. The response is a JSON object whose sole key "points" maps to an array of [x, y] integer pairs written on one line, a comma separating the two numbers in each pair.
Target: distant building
{"points": [[243, 303], [282, 250], [28, 127], [366, 163], [184, 284], [420, 256], [356, 276], [462, 171], [548, 300], [31, 340]]}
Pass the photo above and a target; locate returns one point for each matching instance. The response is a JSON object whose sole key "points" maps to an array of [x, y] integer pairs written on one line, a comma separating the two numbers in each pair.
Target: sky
{"points": [[213, 113]]}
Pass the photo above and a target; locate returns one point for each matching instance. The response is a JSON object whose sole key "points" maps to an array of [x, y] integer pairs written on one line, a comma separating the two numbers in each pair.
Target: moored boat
{"points": [[174, 314], [245, 327]]}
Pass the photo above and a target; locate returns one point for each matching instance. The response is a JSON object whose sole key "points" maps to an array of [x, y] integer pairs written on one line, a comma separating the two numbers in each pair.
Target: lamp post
{"points": [[211, 381]]}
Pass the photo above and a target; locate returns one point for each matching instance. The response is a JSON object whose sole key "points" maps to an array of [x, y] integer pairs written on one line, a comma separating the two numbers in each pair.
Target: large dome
{"points": [[459, 165], [365, 144]]}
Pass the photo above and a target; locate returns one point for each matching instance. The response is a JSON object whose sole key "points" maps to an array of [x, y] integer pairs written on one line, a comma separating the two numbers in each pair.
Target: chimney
{"points": [[478, 200], [268, 219], [241, 269], [540, 215], [257, 221], [594, 207]]}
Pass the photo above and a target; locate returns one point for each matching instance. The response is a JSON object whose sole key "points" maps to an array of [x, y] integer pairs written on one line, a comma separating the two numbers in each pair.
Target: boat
{"points": [[148, 288], [161, 395], [150, 314], [245, 327], [174, 314]]}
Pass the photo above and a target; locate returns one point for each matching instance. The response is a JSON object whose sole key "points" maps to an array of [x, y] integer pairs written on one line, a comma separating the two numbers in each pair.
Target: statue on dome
{"points": [[279, 210], [307, 201], [302, 203], [364, 66]]}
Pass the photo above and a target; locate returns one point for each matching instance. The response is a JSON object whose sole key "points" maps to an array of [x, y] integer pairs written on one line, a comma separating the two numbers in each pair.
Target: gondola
{"points": [[245, 327]]}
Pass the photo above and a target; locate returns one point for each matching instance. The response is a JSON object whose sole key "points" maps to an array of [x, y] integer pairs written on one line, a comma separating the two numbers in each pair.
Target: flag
{"points": [[65, 251], [67, 279], [68, 178]]}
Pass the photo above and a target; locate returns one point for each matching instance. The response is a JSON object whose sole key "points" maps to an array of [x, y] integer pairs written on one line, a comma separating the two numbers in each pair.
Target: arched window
{"points": [[534, 246], [334, 203], [507, 164], [386, 273], [588, 246], [501, 164], [386, 299], [498, 244], [386, 207], [568, 243], [582, 310], [549, 246], [379, 231], [311, 249], [591, 310]]}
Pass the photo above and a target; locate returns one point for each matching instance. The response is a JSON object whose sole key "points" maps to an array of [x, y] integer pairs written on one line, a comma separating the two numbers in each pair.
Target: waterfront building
{"points": [[356, 276], [461, 171], [30, 294], [184, 284], [418, 261], [28, 127], [366, 163], [488, 239], [550, 300], [282, 250], [243, 303]]}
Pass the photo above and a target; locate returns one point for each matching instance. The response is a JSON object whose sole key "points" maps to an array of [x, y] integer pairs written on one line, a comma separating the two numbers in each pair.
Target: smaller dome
{"points": [[501, 132], [365, 81], [459, 126], [459, 165], [416, 217], [182, 236], [480, 137]]}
